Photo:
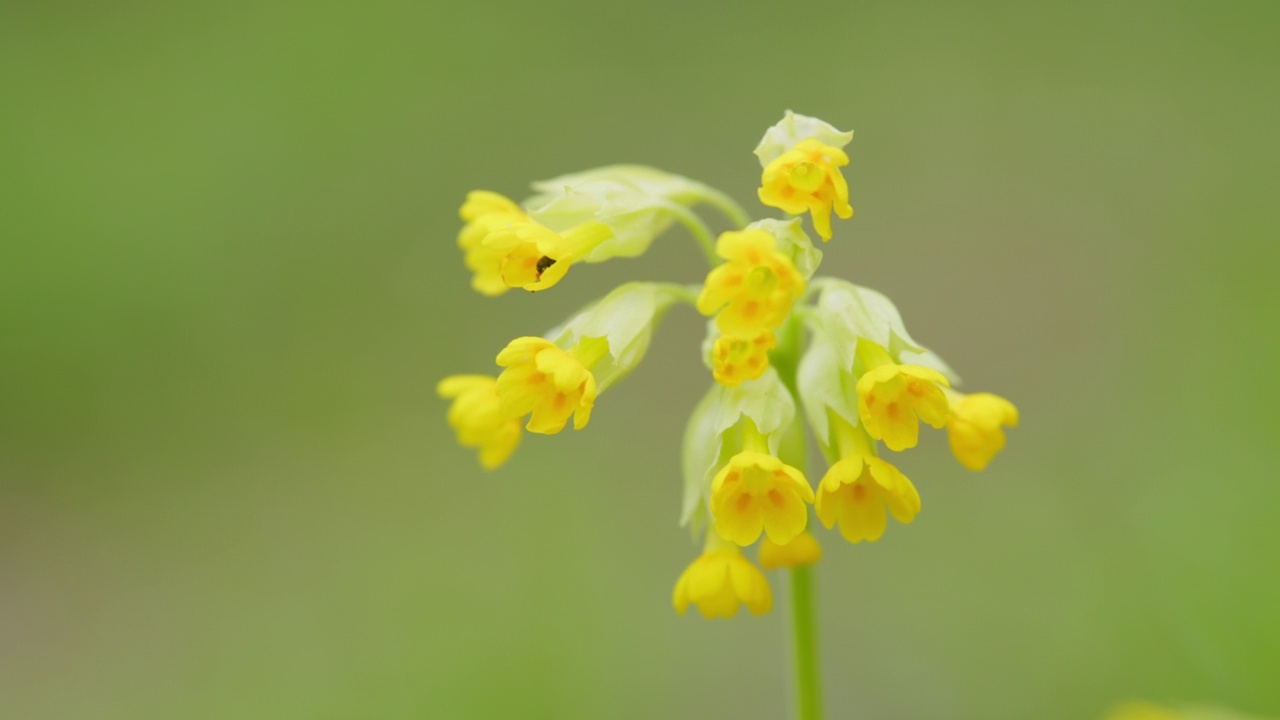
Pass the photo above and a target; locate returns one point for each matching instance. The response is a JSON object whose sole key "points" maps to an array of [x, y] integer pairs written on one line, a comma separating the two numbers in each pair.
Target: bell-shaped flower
{"points": [[719, 582], [476, 416], [975, 426], [756, 492], [484, 212], [715, 433], [802, 550], [855, 493], [802, 157], [735, 359], [755, 289], [534, 257], [893, 399], [859, 487], [548, 383]]}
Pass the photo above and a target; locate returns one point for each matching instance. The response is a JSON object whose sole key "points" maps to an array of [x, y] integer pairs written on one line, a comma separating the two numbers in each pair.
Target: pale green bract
{"points": [[848, 312], [793, 242], [647, 180], [703, 452], [635, 217], [792, 130], [625, 318], [825, 381]]}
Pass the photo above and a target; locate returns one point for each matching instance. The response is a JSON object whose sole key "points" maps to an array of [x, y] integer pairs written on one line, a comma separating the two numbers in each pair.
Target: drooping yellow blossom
{"points": [[535, 257], [974, 426], [807, 178], [857, 489], [551, 383], [893, 399], [754, 290], [735, 359], [802, 550], [756, 492], [476, 415], [719, 581], [484, 212]]}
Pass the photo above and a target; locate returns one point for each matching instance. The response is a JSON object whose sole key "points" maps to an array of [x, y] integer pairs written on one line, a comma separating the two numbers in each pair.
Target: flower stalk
{"points": [[804, 645]]}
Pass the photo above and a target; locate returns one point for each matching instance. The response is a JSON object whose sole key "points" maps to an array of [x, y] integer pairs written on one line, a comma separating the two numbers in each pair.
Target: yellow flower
{"points": [[476, 415], [485, 212], [974, 427], [803, 550], [548, 382], [756, 492], [719, 581], [855, 492], [535, 257], [893, 399], [755, 289], [807, 178], [735, 359], [857, 489]]}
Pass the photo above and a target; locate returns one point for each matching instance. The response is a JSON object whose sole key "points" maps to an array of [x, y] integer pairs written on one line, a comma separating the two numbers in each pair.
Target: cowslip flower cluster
{"points": [[791, 356]]}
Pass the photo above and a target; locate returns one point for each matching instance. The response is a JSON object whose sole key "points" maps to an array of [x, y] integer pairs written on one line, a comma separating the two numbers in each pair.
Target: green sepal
{"points": [[625, 319], [793, 242], [646, 180], [634, 217], [793, 129], [826, 384]]}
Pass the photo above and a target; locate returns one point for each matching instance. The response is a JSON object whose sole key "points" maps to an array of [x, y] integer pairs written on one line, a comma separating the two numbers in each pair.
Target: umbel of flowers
{"points": [[791, 356]]}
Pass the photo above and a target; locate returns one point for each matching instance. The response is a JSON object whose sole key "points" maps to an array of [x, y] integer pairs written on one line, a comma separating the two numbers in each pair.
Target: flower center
{"points": [[807, 176], [760, 281], [756, 479]]}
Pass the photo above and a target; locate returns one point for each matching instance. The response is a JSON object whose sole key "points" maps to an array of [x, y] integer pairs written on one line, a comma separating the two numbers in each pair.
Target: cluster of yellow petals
{"points": [[735, 359], [504, 248], [485, 212], [756, 492], [476, 416], [807, 178], [802, 550], [534, 257], [719, 581], [974, 427], [893, 399], [855, 492], [549, 383], [754, 289]]}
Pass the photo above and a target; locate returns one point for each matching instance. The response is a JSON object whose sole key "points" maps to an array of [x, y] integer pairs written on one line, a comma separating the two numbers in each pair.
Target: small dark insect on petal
{"points": [[544, 262]]}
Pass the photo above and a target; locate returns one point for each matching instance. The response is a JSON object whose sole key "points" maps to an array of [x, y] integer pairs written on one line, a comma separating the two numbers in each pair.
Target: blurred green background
{"points": [[229, 284]]}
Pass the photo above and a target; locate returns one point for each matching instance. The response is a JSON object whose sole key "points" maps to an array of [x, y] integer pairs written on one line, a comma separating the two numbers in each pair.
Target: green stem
{"points": [[699, 230], [794, 451], [804, 645], [726, 205]]}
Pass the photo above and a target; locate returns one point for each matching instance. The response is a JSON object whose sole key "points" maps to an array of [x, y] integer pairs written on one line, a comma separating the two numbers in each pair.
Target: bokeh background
{"points": [[229, 284]]}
